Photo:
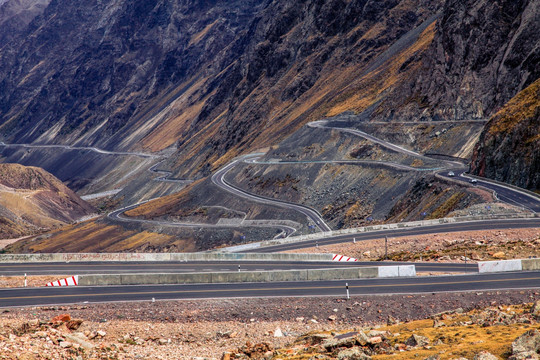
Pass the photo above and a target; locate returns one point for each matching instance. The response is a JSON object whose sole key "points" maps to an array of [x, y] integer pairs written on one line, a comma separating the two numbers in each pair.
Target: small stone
{"points": [[300, 319], [499, 255], [101, 333], [375, 340], [66, 344], [391, 320], [61, 318], [332, 318], [162, 341], [278, 333]]}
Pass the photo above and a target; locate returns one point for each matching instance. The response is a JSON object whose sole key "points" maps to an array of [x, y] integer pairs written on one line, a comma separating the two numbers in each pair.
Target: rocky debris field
{"points": [[457, 246], [273, 328], [507, 332]]}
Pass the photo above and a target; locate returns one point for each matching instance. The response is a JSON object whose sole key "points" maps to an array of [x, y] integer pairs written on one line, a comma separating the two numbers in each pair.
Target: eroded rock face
{"points": [[484, 53], [509, 147]]}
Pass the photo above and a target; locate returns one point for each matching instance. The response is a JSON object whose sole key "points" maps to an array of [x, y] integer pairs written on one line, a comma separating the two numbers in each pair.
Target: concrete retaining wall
{"points": [[93, 257], [499, 266], [246, 276]]}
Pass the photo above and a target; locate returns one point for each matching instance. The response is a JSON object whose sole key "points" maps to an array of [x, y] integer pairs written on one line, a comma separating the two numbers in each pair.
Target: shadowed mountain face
{"points": [[15, 15], [509, 147], [220, 77]]}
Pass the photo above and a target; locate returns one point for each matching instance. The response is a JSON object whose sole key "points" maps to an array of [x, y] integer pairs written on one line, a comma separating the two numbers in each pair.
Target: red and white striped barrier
{"points": [[338, 257], [70, 281]]}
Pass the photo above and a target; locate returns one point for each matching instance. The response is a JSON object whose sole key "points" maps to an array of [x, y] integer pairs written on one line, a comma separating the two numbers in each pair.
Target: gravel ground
{"points": [[208, 328]]}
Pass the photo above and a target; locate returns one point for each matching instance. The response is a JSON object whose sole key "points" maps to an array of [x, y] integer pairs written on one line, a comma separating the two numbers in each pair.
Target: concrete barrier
{"points": [[530, 264], [397, 271], [246, 276], [143, 257], [412, 224], [499, 266]]}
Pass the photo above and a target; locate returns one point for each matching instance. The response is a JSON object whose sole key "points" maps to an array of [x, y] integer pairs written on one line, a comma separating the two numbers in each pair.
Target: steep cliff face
{"points": [[509, 147], [215, 77], [484, 53], [98, 72]]}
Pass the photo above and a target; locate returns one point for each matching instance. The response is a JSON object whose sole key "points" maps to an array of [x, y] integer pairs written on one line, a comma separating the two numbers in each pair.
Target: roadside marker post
{"points": [[347, 287], [354, 240], [25, 283], [238, 267]]}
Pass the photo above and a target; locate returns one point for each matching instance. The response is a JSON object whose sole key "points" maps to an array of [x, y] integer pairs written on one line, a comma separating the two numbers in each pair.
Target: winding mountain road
{"points": [[219, 180]]}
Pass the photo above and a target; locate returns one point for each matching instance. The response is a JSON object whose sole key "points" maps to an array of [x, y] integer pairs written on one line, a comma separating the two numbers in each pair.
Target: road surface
{"points": [[68, 295], [84, 268]]}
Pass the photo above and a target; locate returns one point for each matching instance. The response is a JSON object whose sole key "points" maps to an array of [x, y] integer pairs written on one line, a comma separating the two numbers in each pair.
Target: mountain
{"points": [[15, 15], [198, 83], [509, 148], [32, 200]]}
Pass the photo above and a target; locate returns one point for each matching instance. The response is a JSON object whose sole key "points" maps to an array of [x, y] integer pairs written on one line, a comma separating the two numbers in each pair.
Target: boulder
{"points": [[535, 309], [485, 355], [353, 354], [526, 343], [417, 340], [61, 318]]}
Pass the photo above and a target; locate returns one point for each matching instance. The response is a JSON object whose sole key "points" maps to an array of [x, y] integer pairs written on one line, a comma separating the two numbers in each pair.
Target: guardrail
{"points": [[411, 224], [509, 265], [249, 276], [145, 257]]}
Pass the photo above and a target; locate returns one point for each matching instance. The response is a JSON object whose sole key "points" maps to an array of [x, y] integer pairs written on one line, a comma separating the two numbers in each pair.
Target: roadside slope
{"points": [[33, 200]]}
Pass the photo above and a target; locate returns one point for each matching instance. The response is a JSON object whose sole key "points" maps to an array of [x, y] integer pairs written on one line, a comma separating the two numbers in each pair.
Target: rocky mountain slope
{"points": [[15, 15], [33, 200], [209, 81], [509, 147], [219, 81]]}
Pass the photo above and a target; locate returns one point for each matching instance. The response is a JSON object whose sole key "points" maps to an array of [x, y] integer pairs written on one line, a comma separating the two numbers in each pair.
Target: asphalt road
{"points": [[218, 179], [68, 295], [11, 269], [441, 228], [504, 193]]}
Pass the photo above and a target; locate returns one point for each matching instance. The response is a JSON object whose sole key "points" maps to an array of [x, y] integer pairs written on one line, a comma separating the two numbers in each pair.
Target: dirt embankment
{"points": [[456, 246]]}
